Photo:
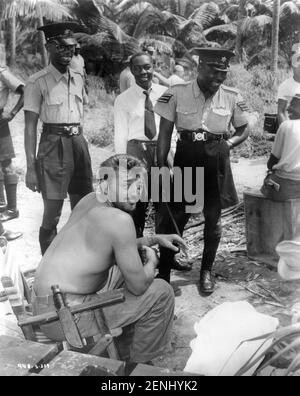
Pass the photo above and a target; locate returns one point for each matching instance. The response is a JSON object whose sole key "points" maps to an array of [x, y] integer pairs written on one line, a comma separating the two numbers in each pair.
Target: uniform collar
{"points": [[57, 74]]}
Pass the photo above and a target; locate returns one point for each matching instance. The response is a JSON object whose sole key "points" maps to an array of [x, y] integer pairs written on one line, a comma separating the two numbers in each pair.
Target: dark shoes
{"points": [[181, 267], [10, 235], [9, 214], [206, 283]]}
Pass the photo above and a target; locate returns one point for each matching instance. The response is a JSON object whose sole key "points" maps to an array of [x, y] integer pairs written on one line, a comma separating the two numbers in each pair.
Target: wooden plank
{"points": [[69, 363], [17, 356], [268, 223], [144, 370]]}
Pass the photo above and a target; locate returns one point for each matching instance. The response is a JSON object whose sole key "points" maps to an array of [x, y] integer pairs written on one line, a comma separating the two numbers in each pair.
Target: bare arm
{"points": [[31, 120], [163, 80], [281, 110], [137, 277], [241, 134], [169, 241], [164, 141], [18, 106]]}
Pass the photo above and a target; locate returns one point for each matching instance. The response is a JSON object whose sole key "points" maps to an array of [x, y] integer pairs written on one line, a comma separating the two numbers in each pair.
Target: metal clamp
{"points": [[199, 136]]}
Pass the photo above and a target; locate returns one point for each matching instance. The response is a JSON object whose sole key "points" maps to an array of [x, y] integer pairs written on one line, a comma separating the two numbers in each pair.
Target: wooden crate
{"points": [[268, 223]]}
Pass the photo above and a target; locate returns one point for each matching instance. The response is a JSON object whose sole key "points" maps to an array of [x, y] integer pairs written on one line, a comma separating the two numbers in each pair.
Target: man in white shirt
{"points": [[283, 176], [290, 87], [129, 120], [130, 127]]}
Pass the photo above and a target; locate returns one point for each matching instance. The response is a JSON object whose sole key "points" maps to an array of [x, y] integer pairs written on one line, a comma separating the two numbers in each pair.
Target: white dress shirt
{"points": [[129, 115]]}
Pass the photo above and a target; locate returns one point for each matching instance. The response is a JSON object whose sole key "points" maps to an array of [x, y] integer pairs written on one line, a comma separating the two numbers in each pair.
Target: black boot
{"points": [[45, 238], [207, 285]]}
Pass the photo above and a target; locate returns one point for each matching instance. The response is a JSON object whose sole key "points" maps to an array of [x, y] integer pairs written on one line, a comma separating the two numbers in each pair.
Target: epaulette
{"points": [[165, 98], [230, 89], [2, 68], [38, 75]]}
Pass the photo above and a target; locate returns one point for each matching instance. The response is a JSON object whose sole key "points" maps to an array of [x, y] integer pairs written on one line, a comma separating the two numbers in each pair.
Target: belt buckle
{"points": [[72, 130], [199, 136]]}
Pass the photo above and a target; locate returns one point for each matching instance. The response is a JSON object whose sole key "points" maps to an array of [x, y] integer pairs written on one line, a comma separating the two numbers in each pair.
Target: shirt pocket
{"points": [[187, 118], [76, 100], [218, 120]]}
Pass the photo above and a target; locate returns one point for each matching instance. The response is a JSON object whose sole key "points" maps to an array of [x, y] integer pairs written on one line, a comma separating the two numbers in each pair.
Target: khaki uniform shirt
{"points": [[8, 82], [186, 106], [57, 98]]}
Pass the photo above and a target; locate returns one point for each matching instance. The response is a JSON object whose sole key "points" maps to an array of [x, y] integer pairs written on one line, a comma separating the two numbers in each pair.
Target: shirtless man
{"points": [[99, 234]]}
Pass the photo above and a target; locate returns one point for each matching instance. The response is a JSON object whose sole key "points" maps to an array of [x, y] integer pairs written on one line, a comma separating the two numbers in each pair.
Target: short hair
{"points": [[137, 54], [118, 161]]}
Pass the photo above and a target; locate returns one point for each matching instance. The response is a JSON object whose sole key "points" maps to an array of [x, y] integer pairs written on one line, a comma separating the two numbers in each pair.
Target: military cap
{"points": [[61, 31], [216, 57]]}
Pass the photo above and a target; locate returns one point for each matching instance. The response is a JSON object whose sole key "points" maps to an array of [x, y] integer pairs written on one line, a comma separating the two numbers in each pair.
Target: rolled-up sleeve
{"points": [[11, 81], [166, 105], [240, 112], [32, 97], [121, 127]]}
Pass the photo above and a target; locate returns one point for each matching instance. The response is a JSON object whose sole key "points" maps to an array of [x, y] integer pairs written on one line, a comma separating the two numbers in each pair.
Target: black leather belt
{"points": [[147, 142], [200, 136], [67, 130]]}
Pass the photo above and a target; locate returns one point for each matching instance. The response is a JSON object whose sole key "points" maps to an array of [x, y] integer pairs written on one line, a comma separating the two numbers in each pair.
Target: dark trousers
{"points": [[145, 151], [219, 192]]}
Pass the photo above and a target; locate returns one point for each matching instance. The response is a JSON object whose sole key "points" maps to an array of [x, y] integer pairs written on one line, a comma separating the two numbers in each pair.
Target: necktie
{"points": [[150, 127]]}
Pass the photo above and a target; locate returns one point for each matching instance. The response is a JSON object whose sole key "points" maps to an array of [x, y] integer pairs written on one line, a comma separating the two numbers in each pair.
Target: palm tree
{"points": [[275, 35], [241, 14], [52, 10]]}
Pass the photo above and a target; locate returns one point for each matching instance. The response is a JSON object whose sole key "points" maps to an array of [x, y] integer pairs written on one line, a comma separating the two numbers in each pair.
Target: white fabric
{"points": [[286, 148], [174, 80], [288, 89], [289, 262], [216, 350], [129, 115], [10, 268]]}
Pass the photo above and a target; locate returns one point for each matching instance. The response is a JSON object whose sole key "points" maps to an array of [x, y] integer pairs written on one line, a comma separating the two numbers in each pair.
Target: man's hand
{"points": [[32, 180], [149, 256], [172, 241]]}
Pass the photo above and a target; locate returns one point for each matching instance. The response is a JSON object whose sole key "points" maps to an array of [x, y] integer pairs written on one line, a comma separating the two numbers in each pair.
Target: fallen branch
{"points": [[264, 297]]}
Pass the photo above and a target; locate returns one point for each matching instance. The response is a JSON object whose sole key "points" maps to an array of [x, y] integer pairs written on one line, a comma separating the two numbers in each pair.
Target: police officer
{"points": [[203, 111], [8, 177], [56, 96]]}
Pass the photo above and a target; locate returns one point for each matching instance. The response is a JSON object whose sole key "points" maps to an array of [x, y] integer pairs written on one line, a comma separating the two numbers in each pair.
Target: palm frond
{"points": [[206, 14], [51, 9], [229, 29], [161, 20], [252, 25], [232, 12], [287, 9]]}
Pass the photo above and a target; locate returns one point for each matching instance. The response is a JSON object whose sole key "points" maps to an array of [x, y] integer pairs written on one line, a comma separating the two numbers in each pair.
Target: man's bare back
{"points": [[80, 256]]}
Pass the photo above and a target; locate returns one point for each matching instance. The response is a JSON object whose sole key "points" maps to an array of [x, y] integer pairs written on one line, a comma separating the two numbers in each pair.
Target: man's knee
{"points": [[162, 292]]}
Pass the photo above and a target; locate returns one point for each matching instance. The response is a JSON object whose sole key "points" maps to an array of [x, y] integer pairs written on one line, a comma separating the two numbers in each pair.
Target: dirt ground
{"points": [[234, 271]]}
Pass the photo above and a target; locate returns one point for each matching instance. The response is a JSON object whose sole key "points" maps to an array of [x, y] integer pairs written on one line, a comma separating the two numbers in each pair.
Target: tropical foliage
{"points": [[113, 29]]}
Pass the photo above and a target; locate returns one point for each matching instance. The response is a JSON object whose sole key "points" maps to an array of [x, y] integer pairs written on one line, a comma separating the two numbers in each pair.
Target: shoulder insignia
{"points": [[165, 98], [243, 106]]}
